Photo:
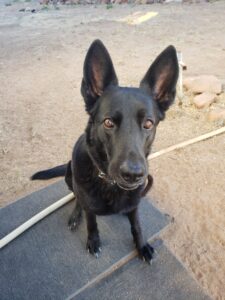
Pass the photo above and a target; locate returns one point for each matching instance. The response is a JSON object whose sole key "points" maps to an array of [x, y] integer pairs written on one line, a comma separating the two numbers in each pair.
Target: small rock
{"points": [[44, 2], [217, 114], [204, 100], [119, 1], [204, 83], [173, 1], [72, 2], [145, 1]]}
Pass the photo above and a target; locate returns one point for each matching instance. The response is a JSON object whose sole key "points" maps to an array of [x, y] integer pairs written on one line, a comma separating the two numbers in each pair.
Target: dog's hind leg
{"points": [[75, 217], [93, 241], [68, 176], [144, 249]]}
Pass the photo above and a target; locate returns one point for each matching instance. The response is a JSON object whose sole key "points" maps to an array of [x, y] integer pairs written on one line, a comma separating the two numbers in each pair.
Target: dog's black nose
{"points": [[131, 172]]}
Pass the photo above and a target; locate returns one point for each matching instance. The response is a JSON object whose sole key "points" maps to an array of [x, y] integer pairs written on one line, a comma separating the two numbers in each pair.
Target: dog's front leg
{"points": [[144, 249], [75, 217], [93, 241]]}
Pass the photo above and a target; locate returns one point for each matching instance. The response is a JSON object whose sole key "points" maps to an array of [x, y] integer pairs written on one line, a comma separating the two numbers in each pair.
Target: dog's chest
{"points": [[110, 199]]}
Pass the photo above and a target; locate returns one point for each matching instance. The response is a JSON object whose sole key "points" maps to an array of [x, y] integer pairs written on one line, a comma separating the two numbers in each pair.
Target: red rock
{"points": [[204, 100], [204, 83], [217, 114]]}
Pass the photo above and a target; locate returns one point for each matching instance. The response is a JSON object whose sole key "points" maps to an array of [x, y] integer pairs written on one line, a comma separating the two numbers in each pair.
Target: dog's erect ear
{"points": [[98, 73], [161, 79]]}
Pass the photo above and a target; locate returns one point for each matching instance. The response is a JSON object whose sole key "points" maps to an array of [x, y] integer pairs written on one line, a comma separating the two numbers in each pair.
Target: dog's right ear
{"points": [[98, 74]]}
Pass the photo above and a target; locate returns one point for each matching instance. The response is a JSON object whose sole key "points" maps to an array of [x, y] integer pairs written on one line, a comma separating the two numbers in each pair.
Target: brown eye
{"points": [[148, 124], [108, 123]]}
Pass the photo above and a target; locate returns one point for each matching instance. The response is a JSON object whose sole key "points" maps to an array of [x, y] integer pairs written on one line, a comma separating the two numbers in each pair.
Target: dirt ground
{"points": [[42, 113]]}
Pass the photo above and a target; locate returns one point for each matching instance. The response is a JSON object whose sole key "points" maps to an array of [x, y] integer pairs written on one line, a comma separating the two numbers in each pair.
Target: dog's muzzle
{"points": [[111, 181]]}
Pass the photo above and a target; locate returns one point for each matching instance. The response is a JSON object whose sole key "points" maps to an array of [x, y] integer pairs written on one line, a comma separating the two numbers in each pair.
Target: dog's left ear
{"points": [[161, 79], [98, 73]]}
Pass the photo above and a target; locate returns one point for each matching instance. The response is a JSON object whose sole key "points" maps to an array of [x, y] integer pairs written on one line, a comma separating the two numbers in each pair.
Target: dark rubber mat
{"points": [[164, 279], [50, 262]]}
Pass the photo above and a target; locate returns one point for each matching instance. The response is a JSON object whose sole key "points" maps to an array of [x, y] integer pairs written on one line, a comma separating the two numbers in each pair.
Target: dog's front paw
{"points": [[146, 253], [94, 247]]}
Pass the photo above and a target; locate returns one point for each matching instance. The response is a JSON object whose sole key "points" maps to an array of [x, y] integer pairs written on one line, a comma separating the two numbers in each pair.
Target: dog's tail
{"points": [[50, 173]]}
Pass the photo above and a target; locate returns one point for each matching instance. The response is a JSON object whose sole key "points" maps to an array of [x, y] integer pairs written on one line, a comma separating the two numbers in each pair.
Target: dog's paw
{"points": [[94, 247], [74, 222], [147, 253]]}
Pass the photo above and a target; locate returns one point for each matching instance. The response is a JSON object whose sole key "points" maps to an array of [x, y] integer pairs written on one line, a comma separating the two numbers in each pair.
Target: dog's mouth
{"points": [[123, 185], [129, 187]]}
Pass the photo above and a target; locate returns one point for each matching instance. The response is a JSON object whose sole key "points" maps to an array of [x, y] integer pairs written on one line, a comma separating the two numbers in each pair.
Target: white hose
{"points": [[36, 218], [187, 143]]}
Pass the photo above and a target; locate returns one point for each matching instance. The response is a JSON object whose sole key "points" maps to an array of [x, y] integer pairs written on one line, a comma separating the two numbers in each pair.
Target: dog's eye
{"points": [[148, 124], [108, 123]]}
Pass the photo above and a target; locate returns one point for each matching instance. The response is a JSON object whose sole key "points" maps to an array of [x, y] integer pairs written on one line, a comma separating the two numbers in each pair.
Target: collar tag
{"points": [[102, 175]]}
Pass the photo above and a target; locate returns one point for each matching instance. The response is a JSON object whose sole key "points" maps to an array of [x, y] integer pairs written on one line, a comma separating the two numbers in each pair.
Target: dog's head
{"points": [[123, 121]]}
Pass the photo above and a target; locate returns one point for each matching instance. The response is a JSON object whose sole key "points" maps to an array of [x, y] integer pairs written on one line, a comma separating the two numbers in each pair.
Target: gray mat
{"points": [[50, 262], [164, 279]]}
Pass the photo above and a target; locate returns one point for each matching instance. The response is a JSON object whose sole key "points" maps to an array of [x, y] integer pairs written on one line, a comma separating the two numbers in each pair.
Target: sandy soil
{"points": [[42, 113]]}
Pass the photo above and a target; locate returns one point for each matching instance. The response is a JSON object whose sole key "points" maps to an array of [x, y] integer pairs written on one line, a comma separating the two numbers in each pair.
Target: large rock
{"points": [[204, 100], [204, 83]]}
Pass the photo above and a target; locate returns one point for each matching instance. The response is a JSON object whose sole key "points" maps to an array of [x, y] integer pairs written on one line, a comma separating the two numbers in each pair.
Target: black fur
{"points": [[109, 169]]}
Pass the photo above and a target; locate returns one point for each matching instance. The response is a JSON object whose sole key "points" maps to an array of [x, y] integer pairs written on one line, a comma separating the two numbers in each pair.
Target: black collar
{"points": [[105, 177]]}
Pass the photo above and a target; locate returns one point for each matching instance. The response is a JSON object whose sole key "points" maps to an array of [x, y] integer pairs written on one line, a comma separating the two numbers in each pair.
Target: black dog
{"points": [[109, 169]]}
